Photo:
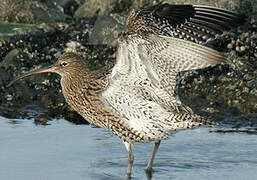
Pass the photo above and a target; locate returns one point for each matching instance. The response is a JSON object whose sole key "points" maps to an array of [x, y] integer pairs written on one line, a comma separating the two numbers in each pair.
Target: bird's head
{"points": [[68, 65]]}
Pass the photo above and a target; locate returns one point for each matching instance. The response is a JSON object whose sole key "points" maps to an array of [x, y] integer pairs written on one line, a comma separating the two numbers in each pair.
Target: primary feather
{"points": [[197, 23], [141, 87]]}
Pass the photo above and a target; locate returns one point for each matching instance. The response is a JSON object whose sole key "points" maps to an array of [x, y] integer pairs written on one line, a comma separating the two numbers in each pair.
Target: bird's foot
{"points": [[128, 175], [149, 169], [149, 172]]}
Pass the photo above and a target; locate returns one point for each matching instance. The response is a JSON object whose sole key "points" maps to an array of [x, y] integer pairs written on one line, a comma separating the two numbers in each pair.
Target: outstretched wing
{"points": [[197, 23], [139, 88], [164, 57]]}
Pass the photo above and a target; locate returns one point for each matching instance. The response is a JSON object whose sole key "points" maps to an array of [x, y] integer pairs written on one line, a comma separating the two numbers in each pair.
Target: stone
{"points": [[230, 46], [30, 11], [106, 31], [93, 8], [64, 3], [9, 30], [10, 59]]}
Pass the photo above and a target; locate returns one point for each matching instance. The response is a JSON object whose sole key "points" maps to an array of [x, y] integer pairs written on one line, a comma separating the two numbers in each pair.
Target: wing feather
{"points": [[165, 56], [138, 92], [196, 23]]}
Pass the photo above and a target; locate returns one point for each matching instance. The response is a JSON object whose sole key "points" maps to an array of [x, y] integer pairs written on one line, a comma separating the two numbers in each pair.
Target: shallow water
{"points": [[66, 151]]}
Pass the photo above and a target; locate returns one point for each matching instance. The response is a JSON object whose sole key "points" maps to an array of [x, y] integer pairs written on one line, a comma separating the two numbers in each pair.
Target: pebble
{"points": [[242, 48], [46, 82], [72, 46], [230, 46], [245, 90], [9, 97], [41, 120]]}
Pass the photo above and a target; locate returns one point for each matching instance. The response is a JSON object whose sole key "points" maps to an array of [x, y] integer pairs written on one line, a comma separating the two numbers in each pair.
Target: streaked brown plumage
{"points": [[135, 98]]}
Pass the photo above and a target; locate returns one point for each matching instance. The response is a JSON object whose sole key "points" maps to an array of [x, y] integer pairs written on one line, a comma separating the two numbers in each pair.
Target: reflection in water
{"points": [[66, 151], [15, 121]]}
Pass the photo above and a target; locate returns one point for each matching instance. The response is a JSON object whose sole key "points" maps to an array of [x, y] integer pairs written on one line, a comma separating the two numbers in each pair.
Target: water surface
{"points": [[66, 151]]}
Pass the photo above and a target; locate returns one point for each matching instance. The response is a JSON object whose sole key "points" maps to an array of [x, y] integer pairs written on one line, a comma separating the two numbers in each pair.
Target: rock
{"points": [[8, 30], [94, 8], [30, 11], [139, 4], [9, 97], [47, 12], [242, 48], [69, 6], [108, 26], [10, 59], [41, 119], [106, 31], [65, 3], [230, 46]]}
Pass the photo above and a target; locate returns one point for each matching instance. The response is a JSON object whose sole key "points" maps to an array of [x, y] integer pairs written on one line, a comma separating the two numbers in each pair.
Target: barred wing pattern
{"points": [[164, 57], [138, 89], [197, 23]]}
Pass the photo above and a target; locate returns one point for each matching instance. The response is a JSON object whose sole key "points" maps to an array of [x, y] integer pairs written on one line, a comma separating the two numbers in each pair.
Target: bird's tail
{"points": [[203, 121], [186, 121]]}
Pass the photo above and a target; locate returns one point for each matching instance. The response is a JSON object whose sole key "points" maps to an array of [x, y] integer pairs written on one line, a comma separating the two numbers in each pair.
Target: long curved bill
{"points": [[40, 71]]}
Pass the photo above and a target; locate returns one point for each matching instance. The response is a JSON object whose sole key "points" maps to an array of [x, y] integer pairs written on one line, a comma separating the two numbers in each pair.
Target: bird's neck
{"points": [[81, 93]]}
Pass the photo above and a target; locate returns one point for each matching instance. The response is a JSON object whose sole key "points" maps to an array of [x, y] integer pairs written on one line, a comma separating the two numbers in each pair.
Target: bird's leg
{"points": [[130, 157], [150, 163]]}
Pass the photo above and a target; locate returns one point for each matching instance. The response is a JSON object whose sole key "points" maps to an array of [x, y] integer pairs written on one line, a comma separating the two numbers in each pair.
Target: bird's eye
{"points": [[63, 64]]}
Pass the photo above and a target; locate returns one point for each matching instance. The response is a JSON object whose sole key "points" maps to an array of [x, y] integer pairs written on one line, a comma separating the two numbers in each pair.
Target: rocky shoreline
{"points": [[227, 94]]}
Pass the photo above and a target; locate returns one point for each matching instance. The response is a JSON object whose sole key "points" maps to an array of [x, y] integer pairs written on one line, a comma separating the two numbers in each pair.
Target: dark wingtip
{"points": [[229, 18]]}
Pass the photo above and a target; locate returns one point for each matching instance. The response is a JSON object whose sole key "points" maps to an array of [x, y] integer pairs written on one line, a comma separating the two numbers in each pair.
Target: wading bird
{"points": [[134, 97]]}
